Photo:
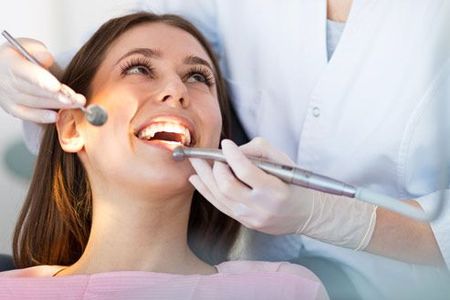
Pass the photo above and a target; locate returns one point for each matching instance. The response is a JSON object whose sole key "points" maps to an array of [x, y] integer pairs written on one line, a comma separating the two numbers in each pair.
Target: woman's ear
{"points": [[69, 131]]}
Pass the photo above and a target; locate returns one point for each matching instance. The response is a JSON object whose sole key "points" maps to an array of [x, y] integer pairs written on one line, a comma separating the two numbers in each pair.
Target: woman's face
{"points": [[157, 84]]}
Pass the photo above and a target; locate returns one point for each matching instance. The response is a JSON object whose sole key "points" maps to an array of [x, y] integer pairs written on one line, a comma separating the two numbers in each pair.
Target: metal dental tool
{"points": [[94, 114], [307, 179]]}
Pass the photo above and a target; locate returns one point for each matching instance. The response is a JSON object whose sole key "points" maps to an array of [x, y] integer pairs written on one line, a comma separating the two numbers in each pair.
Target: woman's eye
{"points": [[138, 70], [197, 77]]}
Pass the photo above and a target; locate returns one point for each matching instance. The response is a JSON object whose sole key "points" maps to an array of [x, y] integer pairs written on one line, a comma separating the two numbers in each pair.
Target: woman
{"points": [[111, 200]]}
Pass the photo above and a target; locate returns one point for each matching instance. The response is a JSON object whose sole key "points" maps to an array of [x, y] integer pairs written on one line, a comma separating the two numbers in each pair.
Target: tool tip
{"points": [[96, 115], [178, 153]]}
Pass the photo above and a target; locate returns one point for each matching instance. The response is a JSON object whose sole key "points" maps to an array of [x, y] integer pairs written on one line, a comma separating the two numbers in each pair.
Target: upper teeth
{"points": [[150, 131]]}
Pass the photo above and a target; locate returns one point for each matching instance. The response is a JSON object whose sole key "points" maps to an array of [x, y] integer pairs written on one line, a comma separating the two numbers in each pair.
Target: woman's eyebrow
{"points": [[195, 60], [151, 53]]}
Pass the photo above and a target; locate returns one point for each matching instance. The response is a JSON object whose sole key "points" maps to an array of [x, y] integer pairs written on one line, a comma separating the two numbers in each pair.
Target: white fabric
{"points": [[33, 134], [334, 32], [365, 118]]}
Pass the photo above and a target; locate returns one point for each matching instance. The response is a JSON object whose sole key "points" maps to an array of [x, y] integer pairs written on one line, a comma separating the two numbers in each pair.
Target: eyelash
{"points": [[137, 62], [145, 62], [209, 77]]}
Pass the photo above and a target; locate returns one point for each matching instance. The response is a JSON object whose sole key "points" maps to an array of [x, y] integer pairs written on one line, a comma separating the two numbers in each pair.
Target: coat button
{"points": [[316, 111]]}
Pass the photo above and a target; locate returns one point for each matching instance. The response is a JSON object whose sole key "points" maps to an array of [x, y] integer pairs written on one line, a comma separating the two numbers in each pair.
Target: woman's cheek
{"points": [[216, 123]]}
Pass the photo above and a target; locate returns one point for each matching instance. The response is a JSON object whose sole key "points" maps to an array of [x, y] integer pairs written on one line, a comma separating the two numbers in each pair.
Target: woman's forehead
{"points": [[167, 40]]}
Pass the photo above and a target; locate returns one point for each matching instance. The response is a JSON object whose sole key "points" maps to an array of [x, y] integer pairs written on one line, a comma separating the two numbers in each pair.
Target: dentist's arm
{"points": [[405, 239], [264, 203]]}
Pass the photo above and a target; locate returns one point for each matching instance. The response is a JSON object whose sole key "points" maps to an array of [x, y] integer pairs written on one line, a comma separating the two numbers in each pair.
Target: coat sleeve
{"points": [[425, 171]]}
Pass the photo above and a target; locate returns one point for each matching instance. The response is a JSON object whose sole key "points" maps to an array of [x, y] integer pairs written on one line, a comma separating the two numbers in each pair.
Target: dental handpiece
{"points": [[288, 174], [310, 180], [94, 114]]}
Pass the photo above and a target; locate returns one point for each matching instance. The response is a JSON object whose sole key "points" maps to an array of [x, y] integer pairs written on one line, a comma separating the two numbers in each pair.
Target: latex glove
{"points": [[263, 202], [28, 91]]}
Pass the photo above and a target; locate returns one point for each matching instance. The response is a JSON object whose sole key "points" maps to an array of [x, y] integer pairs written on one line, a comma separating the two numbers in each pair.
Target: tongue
{"points": [[167, 136]]}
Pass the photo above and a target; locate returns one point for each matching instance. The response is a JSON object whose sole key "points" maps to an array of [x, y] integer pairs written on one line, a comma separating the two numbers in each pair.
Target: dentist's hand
{"points": [[256, 199], [263, 202], [28, 91]]}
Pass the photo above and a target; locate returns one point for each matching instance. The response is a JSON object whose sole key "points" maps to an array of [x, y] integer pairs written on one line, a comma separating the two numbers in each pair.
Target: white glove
{"points": [[263, 202], [28, 91]]}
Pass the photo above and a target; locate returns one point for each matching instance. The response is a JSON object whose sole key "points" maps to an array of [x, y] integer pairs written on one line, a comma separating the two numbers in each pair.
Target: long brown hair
{"points": [[54, 224]]}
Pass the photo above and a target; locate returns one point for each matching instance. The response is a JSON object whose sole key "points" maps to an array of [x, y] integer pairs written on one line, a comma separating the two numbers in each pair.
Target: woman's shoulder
{"points": [[36, 271], [276, 276], [247, 266]]}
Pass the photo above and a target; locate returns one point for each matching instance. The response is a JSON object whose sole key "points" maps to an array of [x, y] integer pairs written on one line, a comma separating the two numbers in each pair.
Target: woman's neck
{"points": [[338, 10], [139, 235]]}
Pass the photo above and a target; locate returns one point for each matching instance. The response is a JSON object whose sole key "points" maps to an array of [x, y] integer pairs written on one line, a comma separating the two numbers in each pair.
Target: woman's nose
{"points": [[174, 93]]}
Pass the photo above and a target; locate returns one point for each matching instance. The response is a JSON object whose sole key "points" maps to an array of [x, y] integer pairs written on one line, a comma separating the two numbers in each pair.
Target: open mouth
{"points": [[169, 132]]}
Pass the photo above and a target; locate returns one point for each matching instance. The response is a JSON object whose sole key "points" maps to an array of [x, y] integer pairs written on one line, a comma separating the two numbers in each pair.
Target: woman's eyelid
{"points": [[201, 70], [136, 61]]}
